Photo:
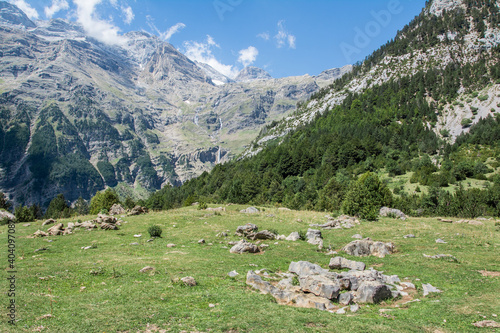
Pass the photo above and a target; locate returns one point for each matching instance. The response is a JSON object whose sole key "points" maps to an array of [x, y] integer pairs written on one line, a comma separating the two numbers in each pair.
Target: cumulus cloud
{"points": [[129, 14], [202, 52], [104, 31], [57, 5], [283, 37], [26, 8], [248, 56]]}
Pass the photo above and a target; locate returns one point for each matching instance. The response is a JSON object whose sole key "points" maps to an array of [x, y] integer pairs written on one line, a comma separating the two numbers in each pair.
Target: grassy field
{"points": [[68, 289]]}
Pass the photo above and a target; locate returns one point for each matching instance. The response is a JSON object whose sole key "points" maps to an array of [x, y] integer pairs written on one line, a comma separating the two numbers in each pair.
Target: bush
{"points": [[24, 214], [103, 200], [155, 231], [466, 122], [58, 208], [483, 98], [366, 196], [202, 205]]}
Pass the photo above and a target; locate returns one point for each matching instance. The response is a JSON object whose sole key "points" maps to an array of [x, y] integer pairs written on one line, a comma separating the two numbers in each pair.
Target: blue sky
{"points": [[286, 38]]}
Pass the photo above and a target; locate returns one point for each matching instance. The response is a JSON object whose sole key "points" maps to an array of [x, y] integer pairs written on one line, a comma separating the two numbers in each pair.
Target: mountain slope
{"points": [[139, 114]]}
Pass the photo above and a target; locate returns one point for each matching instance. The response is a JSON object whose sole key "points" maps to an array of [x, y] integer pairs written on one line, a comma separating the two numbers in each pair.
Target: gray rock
{"points": [[138, 210], [304, 268], [345, 298], [57, 229], [320, 285], [146, 269], [250, 210], [6, 215], [366, 247], [428, 288], [233, 274], [264, 234], [340, 262], [189, 281], [409, 236], [354, 308], [201, 241], [357, 236], [117, 209], [244, 230], [385, 211], [49, 221], [314, 237], [372, 292], [294, 236], [408, 285], [341, 311], [440, 241], [134, 243], [244, 246]]}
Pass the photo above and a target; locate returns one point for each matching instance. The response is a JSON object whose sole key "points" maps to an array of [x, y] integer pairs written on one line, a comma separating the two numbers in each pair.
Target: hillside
{"points": [[78, 115]]}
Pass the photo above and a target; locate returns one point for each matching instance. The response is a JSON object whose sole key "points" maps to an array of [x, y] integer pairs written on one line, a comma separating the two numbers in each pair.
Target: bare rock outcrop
{"points": [[367, 247]]}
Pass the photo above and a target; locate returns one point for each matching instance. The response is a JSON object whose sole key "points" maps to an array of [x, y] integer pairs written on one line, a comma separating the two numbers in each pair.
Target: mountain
{"points": [[251, 73], [78, 115], [423, 110]]}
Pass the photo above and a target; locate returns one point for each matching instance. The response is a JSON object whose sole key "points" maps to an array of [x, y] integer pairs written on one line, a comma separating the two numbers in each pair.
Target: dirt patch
{"points": [[488, 273]]}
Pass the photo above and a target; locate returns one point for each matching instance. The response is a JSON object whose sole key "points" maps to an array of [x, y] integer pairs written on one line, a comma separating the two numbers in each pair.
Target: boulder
{"points": [[250, 210], [109, 226], [117, 209], [6, 215], [40, 233], [340, 262], [189, 281], [218, 209], [305, 268], [372, 292], [294, 236], [57, 229], [49, 221], [146, 269], [314, 237], [320, 285], [386, 211], [138, 210], [102, 218], [428, 288], [367, 247], [244, 246], [264, 234], [244, 230], [345, 298]]}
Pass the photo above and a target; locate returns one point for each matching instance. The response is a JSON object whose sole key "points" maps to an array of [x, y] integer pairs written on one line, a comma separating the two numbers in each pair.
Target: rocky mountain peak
{"points": [[11, 15], [438, 6], [251, 73]]}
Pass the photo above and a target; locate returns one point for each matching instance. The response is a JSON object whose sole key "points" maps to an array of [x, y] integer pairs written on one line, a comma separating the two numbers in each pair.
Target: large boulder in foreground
{"points": [[367, 247]]}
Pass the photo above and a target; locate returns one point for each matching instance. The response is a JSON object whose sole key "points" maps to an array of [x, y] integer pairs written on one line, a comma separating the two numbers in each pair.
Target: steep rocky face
{"points": [[251, 73], [77, 115]]}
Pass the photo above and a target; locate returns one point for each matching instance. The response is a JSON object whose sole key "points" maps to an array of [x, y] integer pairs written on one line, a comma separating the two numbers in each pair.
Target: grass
{"points": [[117, 298]]}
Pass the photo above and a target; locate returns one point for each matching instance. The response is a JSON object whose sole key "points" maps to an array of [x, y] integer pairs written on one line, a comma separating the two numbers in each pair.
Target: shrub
{"points": [[202, 205], [466, 122], [24, 214], [483, 98], [103, 200], [155, 231]]}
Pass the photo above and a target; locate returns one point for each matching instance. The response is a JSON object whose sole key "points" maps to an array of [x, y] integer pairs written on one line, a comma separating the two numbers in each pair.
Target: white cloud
{"points": [[26, 8], [248, 56], [283, 37], [129, 14], [57, 5], [104, 31], [264, 36], [202, 52]]}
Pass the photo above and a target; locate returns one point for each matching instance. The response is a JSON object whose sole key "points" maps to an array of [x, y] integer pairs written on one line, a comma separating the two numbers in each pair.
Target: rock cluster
{"points": [[247, 229], [138, 210], [107, 222], [250, 210], [391, 212], [243, 246], [321, 288], [218, 209], [343, 221], [367, 247]]}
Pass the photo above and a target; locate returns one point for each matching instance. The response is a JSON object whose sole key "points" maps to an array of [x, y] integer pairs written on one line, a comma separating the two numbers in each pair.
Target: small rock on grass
{"points": [[487, 323], [409, 236], [189, 281], [354, 308], [170, 245], [146, 269], [428, 288], [233, 274], [440, 241]]}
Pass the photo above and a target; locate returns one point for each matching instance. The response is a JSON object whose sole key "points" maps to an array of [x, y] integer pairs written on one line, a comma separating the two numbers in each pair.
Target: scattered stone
{"points": [[137, 236], [244, 246], [40, 233], [41, 249], [189, 281], [109, 226], [487, 323], [103, 218], [367, 247], [244, 230], [57, 229], [170, 245], [233, 274], [264, 234], [357, 236], [138, 210], [26, 224], [294, 236], [343, 221], [250, 210], [211, 305], [428, 288], [409, 236], [314, 237], [201, 241], [354, 308], [117, 209], [49, 221], [345, 298], [221, 234], [86, 247], [440, 241], [444, 220], [488, 273], [146, 269], [284, 209], [134, 243], [340, 262], [408, 285], [304, 268], [391, 212], [341, 311], [150, 240], [218, 209], [373, 292], [440, 256]]}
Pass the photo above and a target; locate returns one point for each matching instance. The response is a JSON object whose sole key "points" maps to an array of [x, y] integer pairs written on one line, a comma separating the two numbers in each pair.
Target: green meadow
{"points": [[69, 289]]}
